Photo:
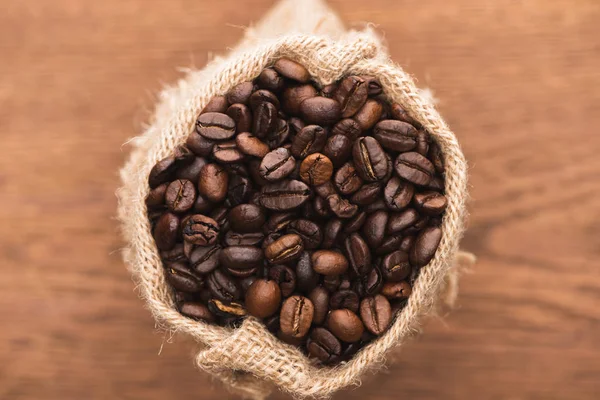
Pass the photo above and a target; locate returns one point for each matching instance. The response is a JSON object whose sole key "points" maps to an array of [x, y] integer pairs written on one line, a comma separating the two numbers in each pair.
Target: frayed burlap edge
{"points": [[238, 357]]}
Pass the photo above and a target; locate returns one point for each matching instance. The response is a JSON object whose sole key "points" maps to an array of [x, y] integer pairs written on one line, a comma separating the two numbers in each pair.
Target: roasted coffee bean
{"points": [[215, 126], [243, 239], [345, 325], [277, 164], [397, 193], [254, 170], [422, 143], [328, 90], [321, 207], [436, 184], [227, 309], [201, 230], [407, 243], [280, 135], [285, 195], [414, 168], [389, 244], [220, 217], [396, 135], [345, 283], [347, 127], [263, 96], [320, 299], [344, 299], [213, 182], [377, 205], [367, 194], [358, 254], [400, 114], [332, 282], [197, 311], [246, 218], [199, 145], [296, 316], [176, 254], [316, 169], [347, 180], [320, 110], [191, 172], [205, 259], [355, 223], [270, 238], [240, 93], [239, 190], [310, 139], [328, 262], [309, 232], [242, 116], [373, 85], [332, 233], [376, 314], [430, 203], [180, 195], [270, 79], [341, 207], [436, 157], [238, 259], [165, 231], [202, 205], [338, 148], [285, 249], [325, 190], [293, 96], [223, 287], [263, 298], [292, 70], [425, 246], [372, 282], [279, 222], [265, 119], [217, 104], [181, 278], [295, 125], [156, 197], [398, 222], [285, 277], [351, 94], [395, 266], [324, 346], [374, 228], [227, 152], [369, 114], [370, 160], [163, 171], [188, 248], [396, 290], [306, 277]]}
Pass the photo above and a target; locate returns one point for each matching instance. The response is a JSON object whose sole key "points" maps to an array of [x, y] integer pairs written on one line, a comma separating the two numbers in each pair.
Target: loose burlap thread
{"points": [[249, 360]]}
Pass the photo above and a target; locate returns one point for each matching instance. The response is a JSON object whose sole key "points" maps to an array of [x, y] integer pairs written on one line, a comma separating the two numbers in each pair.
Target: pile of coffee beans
{"points": [[311, 208]]}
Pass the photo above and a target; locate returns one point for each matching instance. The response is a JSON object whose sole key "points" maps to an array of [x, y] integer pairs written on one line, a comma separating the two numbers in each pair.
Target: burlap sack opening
{"points": [[248, 359]]}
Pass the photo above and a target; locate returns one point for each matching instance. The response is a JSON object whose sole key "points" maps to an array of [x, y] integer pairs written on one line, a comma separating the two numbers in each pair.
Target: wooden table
{"points": [[518, 82]]}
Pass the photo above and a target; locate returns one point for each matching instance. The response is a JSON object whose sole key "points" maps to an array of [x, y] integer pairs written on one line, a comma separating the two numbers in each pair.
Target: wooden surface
{"points": [[517, 80]]}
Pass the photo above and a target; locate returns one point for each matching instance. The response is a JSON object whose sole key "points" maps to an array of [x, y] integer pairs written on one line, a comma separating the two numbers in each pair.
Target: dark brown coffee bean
{"points": [[217, 104], [374, 228], [345, 325], [367, 194], [227, 152], [436, 157], [265, 119], [325, 190], [201, 230], [306, 277], [377, 205], [376, 314], [296, 316], [278, 222], [425, 246], [263, 96], [165, 231], [414, 168], [270, 79], [355, 223], [329, 262], [165, 170], [347, 180], [332, 282], [324, 346], [295, 125], [156, 197], [202, 205], [422, 143], [181, 278], [430, 203], [396, 135], [316, 169], [351, 94], [191, 172], [407, 243], [242, 116], [246, 218], [344, 299], [277, 164], [372, 282], [373, 85], [263, 298], [213, 182], [240, 93], [285, 277], [243, 239], [285, 195], [293, 96], [239, 190], [436, 184], [199, 145], [176, 254], [215, 126], [396, 290], [402, 220], [342, 208], [236, 258], [369, 114], [397, 193], [320, 299], [321, 207], [292, 70], [347, 127], [254, 170], [309, 232], [332, 233], [279, 136], [320, 110], [310, 139], [328, 90], [338, 148], [205, 259], [400, 114], [223, 287], [389, 244], [197, 311], [370, 160], [285, 249], [358, 254], [395, 266], [270, 238], [229, 311]]}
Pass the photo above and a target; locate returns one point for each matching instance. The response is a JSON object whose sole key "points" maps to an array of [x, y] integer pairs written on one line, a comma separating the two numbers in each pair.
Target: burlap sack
{"points": [[249, 358]]}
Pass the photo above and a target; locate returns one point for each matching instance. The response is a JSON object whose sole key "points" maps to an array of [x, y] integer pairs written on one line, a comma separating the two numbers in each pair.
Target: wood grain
{"points": [[518, 82]]}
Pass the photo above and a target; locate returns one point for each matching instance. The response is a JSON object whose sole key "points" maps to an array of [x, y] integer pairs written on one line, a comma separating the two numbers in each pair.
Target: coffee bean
{"points": [[246, 218], [295, 125], [254, 170], [347, 127], [201, 230], [328, 262], [398, 222], [367, 194], [191, 172], [243, 239], [422, 143], [240, 93], [239, 259], [341, 207], [414, 168], [215, 126], [213, 182], [325, 190], [292, 70], [284, 195], [436, 157], [369, 159], [285, 249], [285, 277], [396, 135], [324, 346], [425, 246], [377, 205], [332, 282], [296, 316], [372, 282], [199, 145], [397, 193], [280, 135], [263, 298], [242, 116], [197, 311], [228, 311], [277, 164], [263, 96], [395, 266], [338, 148], [376, 314], [309, 232], [320, 299], [345, 325], [205, 259], [306, 277], [279, 222], [332, 232], [217, 104], [181, 278], [239, 190], [407, 243], [320, 110], [316, 169], [355, 223], [223, 287], [164, 171], [176, 254], [156, 197], [220, 217], [389, 244], [358, 254], [369, 114], [270, 79], [321, 207], [351, 94], [344, 299], [265, 119], [347, 180], [328, 90], [396, 290], [436, 184], [227, 152], [293, 96], [165, 231], [310, 139], [373, 85], [374, 228], [430, 203]]}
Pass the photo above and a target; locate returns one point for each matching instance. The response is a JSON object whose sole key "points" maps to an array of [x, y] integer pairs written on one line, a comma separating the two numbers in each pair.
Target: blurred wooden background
{"points": [[517, 80]]}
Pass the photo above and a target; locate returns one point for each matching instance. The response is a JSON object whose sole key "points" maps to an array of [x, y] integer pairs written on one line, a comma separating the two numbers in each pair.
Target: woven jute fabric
{"points": [[250, 360]]}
